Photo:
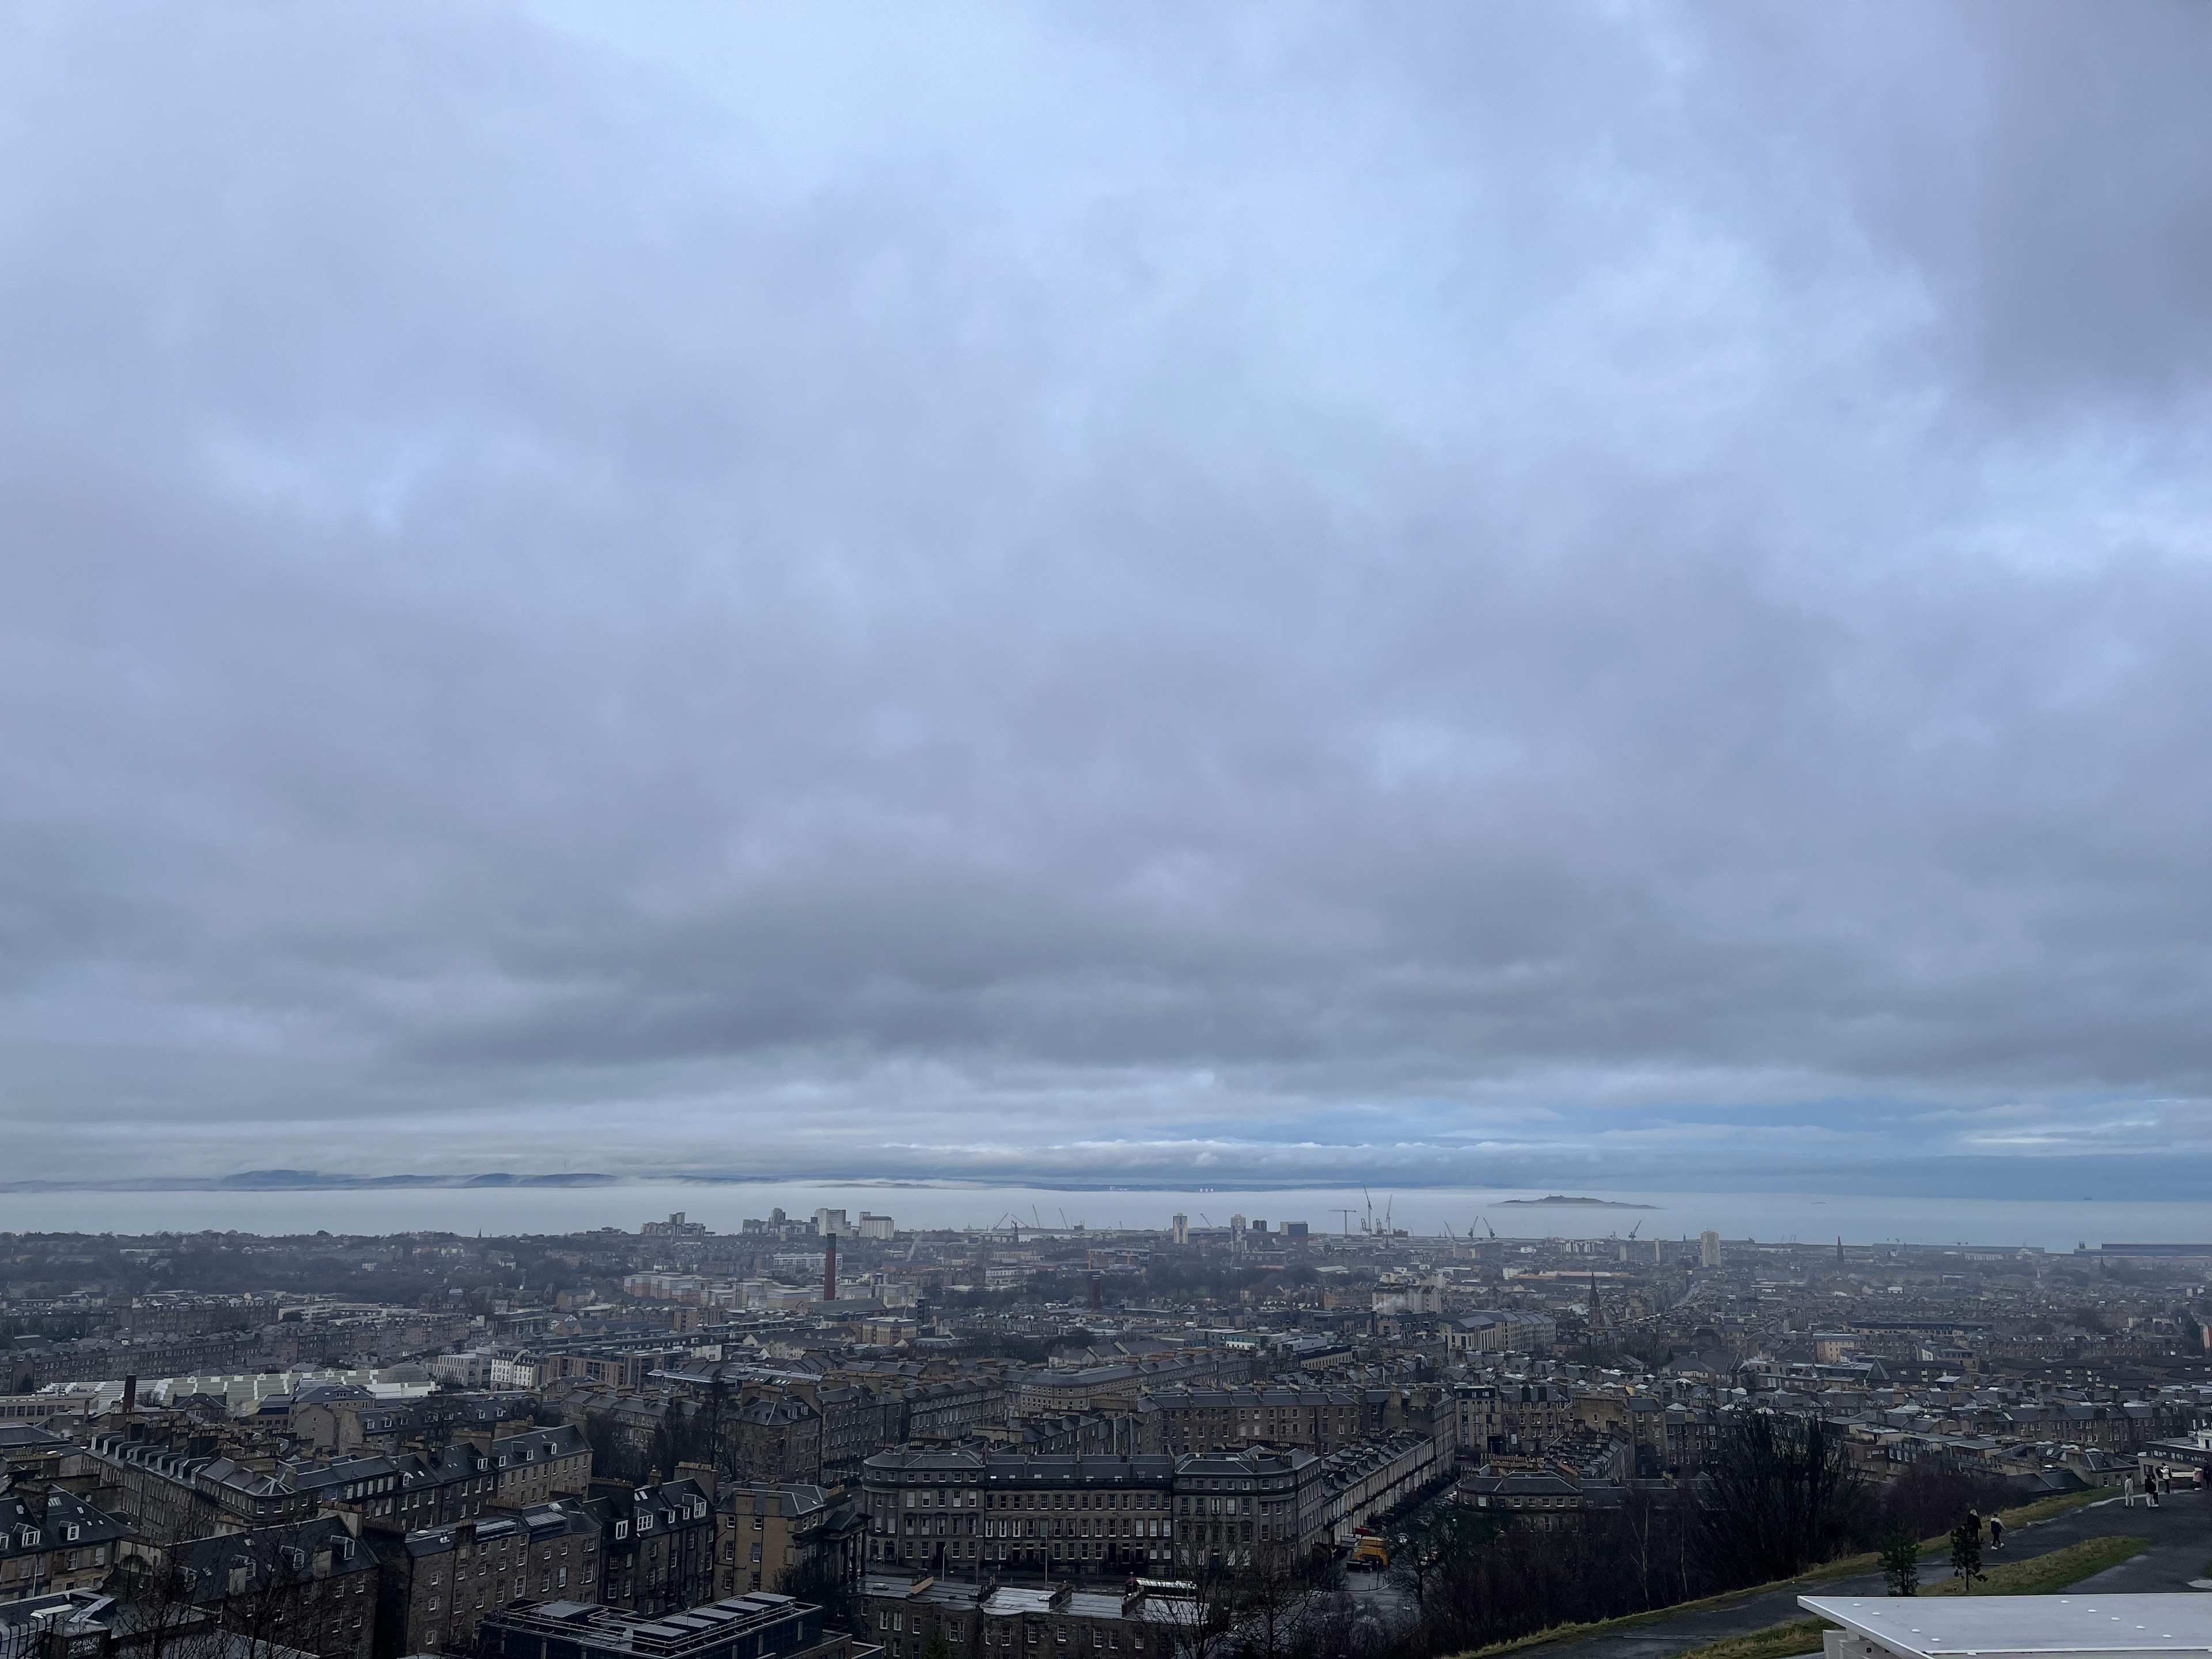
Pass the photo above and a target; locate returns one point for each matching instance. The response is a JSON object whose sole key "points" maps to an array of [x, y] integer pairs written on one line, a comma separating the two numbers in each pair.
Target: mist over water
{"points": [[1767, 1217]]}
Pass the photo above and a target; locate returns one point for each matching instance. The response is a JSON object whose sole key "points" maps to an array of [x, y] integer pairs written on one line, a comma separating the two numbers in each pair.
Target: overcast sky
{"points": [[1166, 593]]}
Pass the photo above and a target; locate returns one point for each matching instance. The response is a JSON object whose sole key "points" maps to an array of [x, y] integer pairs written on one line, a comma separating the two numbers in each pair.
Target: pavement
{"points": [[2180, 1556], [1379, 1597]]}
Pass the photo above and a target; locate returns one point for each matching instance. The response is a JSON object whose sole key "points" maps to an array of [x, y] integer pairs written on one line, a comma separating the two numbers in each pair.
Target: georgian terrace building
{"points": [[969, 1513]]}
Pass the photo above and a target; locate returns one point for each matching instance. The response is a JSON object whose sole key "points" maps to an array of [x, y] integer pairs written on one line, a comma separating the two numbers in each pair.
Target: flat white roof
{"points": [[1927, 1627]]}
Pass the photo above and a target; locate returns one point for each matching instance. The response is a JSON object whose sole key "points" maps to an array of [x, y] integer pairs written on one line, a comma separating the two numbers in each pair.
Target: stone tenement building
{"points": [[441, 1583], [51, 1541], [309, 1587], [537, 1465], [1321, 1420], [967, 1513], [769, 1532], [777, 1441], [479, 1470], [659, 1548], [160, 1495]]}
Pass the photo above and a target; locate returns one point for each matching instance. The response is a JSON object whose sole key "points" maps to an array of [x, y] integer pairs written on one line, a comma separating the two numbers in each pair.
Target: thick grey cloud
{"points": [[1462, 593]]}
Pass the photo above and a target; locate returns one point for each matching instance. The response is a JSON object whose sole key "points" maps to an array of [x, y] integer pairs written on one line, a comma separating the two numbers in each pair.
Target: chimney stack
{"points": [[830, 1271], [129, 1396]]}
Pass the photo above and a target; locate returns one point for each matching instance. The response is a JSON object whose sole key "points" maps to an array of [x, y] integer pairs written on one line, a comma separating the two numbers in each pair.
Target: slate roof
{"points": [[23, 1532]]}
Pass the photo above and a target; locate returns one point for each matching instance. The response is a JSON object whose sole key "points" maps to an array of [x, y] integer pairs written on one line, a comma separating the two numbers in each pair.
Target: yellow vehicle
{"points": [[1370, 1553]]}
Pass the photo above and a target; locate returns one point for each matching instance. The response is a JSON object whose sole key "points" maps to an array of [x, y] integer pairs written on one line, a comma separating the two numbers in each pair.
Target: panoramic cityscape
{"points": [[1234, 831], [923, 1439]]}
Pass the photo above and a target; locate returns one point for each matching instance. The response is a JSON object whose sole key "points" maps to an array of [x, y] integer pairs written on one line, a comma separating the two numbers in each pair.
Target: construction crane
{"points": [[1367, 1221], [1633, 1232], [1346, 1212]]}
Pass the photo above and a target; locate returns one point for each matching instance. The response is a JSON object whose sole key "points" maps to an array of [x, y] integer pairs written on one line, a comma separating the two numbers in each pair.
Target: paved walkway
{"points": [[2180, 1531]]}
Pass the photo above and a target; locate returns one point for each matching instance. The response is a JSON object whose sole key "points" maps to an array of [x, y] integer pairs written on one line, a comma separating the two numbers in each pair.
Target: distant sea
{"points": [[2053, 1224]]}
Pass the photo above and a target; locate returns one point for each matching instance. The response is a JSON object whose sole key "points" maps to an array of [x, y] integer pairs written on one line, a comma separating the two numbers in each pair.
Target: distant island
{"points": [[1561, 1198]]}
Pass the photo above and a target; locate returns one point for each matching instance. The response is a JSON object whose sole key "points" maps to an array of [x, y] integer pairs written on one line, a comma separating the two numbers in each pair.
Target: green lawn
{"points": [[2046, 1574]]}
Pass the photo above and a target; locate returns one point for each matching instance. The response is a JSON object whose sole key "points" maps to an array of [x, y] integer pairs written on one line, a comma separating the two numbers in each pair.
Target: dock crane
{"points": [[1346, 1212]]}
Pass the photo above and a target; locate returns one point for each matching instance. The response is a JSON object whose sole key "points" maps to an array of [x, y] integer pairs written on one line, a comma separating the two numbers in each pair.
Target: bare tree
{"points": [[1433, 1542], [1195, 1622], [1274, 1603], [236, 1595], [1779, 1497], [1639, 1513], [158, 1611]]}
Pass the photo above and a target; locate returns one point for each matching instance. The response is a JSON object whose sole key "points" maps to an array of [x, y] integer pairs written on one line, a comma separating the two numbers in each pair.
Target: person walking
{"points": [[2128, 1493], [2150, 1485], [1997, 1534]]}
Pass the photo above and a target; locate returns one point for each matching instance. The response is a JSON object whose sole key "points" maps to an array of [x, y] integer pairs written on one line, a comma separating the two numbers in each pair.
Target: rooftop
{"points": [[1923, 1628], [670, 1636]]}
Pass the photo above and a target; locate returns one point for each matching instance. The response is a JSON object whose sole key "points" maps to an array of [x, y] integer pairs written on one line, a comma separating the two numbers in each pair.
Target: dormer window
{"points": [[621, 1528]]}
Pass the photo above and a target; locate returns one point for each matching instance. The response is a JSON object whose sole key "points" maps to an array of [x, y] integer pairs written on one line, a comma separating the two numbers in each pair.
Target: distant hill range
{"points": [[1562, 1198]]}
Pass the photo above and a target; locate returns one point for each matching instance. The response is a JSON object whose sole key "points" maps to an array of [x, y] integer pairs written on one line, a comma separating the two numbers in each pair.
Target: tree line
{"points": [[1778, 1495]]}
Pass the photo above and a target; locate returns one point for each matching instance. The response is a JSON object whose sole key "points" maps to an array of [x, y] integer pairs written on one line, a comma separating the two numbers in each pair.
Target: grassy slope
{"points": [[2045, 1574], [1849, 1566]]}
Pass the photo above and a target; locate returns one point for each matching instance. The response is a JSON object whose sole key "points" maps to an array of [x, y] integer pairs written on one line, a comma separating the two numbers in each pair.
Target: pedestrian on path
{"points": [[2128, 1493], [1997, 1534]]}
